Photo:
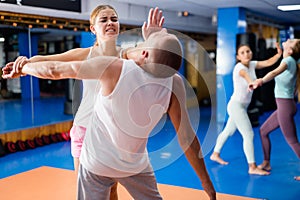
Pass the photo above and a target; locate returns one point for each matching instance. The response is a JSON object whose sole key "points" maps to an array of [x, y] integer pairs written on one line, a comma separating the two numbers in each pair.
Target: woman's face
{"points": [[106, 25], [289, 45], [244, 54]]}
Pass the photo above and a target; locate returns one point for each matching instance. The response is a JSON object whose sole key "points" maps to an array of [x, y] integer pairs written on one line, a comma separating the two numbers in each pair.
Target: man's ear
{"points": [[141, 60], [145, 54]]}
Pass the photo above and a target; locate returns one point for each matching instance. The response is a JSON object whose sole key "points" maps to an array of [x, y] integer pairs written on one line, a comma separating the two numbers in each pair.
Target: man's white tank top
{"points": [[89, 94], [116, 138]]}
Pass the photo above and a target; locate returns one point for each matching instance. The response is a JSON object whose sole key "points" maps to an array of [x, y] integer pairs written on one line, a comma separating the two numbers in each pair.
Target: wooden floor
{"points": [[48, 183]]}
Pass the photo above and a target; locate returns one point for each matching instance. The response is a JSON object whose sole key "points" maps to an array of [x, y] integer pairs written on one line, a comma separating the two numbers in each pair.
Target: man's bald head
{"points": [[165, 54]]}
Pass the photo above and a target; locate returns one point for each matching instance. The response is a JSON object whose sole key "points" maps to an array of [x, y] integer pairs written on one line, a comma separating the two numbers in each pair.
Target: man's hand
{"points": [[155, 22]]}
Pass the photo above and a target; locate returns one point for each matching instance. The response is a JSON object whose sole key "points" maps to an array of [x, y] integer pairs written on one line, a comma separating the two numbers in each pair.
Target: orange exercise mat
{"points": [[47, 183]]}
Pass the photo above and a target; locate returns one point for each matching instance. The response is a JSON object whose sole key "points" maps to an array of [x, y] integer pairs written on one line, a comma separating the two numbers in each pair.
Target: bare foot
{"points": [[216, 157], [265, 166], [258, 171], [297, 178]]}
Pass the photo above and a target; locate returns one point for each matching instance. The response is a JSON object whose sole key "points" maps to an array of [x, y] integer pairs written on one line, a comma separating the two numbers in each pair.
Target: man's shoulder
{"points": [[178, 82], [177, 78]]}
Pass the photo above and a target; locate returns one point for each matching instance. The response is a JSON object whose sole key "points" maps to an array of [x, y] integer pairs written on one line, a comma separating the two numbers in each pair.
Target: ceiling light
{"points": [[288, 7], [183, 14]]}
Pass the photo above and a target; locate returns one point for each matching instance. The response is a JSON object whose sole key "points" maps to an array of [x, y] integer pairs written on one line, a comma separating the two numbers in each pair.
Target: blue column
{"points": [[87, 39], [29, 84], [231, 21]]}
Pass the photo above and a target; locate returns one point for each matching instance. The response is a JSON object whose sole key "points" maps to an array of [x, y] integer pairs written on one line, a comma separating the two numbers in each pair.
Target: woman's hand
{"points": [[255, 84], [155, 22], [14, 69]]}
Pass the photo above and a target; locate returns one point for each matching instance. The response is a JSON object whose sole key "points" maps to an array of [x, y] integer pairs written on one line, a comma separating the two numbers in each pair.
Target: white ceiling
{"points": [[207, 8]]}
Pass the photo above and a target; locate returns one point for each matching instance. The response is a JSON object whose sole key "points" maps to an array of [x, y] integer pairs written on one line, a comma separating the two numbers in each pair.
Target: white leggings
{"points": [[238, 120]]}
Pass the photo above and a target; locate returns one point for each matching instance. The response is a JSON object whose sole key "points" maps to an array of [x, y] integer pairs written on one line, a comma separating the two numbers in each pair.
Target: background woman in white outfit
{"points": [[243, 74]]}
